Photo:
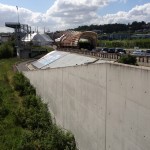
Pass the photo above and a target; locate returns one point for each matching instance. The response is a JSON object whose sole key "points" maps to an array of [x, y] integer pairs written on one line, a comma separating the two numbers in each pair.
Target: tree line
{"points": [[116, 27]]}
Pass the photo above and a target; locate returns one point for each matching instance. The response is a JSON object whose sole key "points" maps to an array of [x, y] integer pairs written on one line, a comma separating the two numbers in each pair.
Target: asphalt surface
{"points": [[22, 66]]}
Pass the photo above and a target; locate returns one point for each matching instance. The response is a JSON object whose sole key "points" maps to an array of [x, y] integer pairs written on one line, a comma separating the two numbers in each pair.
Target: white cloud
{"points": [[9, 14], [138, 13], [72, 13], [76, 12]]}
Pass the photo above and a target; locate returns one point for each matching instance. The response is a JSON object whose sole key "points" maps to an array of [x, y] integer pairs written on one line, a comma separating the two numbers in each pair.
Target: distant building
{"points": [[37, 39], [25, 38], [119, 36], [5, 37], [140, 36]]}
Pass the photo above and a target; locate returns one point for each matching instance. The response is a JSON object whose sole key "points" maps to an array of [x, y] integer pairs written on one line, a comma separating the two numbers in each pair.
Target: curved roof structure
{"points": [[72, 38]]}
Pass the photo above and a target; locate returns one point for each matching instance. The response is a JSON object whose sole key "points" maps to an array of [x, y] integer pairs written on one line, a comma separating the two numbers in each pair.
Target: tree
{"points": [[6, 50]]}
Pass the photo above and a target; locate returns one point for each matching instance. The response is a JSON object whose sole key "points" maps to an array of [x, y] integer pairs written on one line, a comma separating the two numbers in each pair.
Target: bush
{"points": [[62, 140], [33, 116], [3, 108], [3, 111], [6, 50], [1, 99], [6, 79], [22, 85], [128, 59]]}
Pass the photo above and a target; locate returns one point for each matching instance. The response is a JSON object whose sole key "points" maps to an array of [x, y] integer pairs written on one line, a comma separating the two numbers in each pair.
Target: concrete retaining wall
{"points": [[106, 106]]}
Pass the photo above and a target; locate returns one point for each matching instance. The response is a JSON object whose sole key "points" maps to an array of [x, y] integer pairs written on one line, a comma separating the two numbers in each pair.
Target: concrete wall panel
{"points": [[106, 106], [127, 108]]}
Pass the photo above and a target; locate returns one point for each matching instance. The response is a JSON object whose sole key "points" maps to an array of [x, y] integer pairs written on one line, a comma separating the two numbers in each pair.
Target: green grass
{"points": [[141, 43], [10, 134], [6, 66], [25, 123], [48, 48]]}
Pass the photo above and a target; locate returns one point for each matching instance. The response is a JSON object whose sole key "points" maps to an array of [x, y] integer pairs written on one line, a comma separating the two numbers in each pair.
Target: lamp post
{"points": [[17, 13], [18, 36]]}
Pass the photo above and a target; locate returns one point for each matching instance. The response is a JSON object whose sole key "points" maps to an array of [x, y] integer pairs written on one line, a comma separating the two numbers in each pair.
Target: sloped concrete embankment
{"points": [[106, 106]]}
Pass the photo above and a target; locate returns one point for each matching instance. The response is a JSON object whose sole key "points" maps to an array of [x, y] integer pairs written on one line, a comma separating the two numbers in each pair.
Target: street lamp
{"points": [[17, 13], [18, 35]]}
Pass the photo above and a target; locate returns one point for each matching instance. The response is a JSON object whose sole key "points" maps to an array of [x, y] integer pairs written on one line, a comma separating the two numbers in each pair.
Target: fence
{"points": [[141, 60]]}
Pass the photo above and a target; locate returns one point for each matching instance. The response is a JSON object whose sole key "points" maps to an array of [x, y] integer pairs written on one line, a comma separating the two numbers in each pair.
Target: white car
{"points": [[138, 53]]}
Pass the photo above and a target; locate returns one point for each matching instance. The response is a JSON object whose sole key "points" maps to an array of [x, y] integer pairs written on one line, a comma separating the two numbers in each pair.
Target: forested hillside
{"points": [[117, 27]]}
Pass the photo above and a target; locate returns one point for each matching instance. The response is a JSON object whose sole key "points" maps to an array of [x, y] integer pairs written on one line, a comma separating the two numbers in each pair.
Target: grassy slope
{"points": [[14, 135], [10, 134]]}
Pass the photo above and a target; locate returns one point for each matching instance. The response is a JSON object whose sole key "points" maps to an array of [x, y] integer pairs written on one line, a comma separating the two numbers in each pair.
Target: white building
{"points": [[37, 39]]}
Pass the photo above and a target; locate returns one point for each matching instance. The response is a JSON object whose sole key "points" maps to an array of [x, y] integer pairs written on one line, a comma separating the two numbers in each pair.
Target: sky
{"points": [[56, 15]]}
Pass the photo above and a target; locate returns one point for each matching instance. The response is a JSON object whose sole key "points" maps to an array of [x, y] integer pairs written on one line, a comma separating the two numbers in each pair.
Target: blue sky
{"points": [[64, 14], [34, 5], [121, 6]]}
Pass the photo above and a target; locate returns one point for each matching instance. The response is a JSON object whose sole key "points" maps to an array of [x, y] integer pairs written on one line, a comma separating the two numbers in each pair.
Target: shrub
{"points": [[3, 111], [22, 85], [6, 50], [1, 99], [128, 59], [31, 101], [62, 140], [5, 78], [34, 117]]}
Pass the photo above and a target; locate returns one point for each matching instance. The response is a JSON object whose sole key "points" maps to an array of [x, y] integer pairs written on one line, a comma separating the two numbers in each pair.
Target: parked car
{"points": [[105, 50], [93, 50], [98, 49], [111, 50], [147, 53], [138, 53], [120, 51]]}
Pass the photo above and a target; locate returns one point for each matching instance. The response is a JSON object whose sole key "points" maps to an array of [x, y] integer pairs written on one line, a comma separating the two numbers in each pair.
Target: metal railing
{"points": [[141, 60]]}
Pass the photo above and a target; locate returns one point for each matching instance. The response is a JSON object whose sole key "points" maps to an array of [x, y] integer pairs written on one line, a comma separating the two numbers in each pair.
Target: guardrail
{"points": [[141, 60]]}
